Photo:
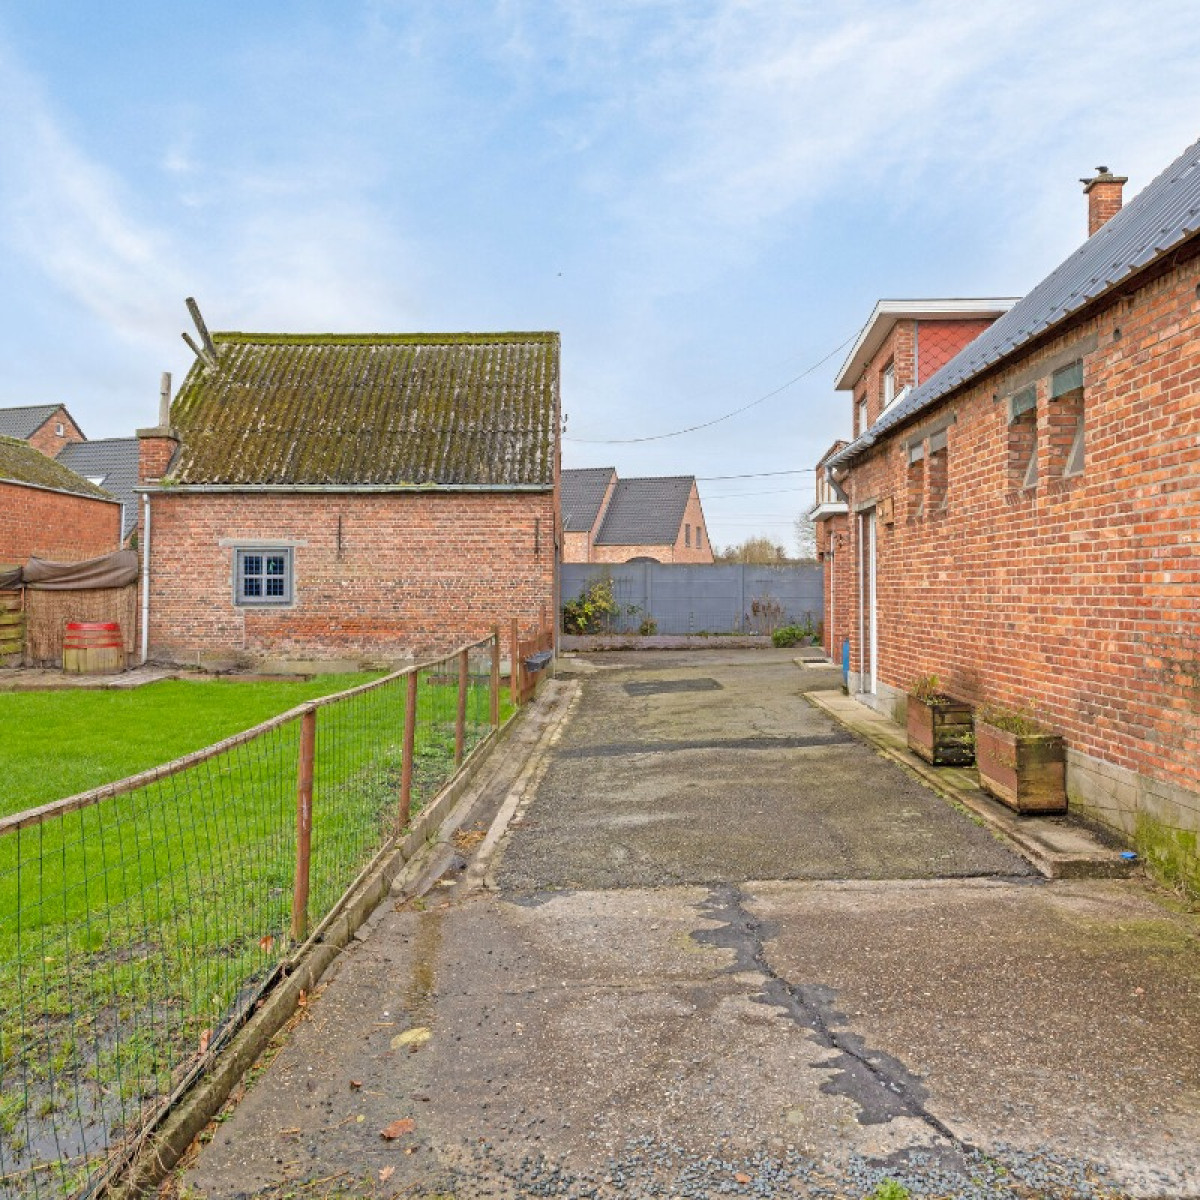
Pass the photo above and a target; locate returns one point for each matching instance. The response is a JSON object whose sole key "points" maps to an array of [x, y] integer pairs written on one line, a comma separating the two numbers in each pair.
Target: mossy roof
{"points": [[370, 410], [21, 463]]}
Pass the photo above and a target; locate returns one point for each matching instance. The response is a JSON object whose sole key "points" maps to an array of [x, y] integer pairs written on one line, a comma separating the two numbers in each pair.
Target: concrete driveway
{"points": [[710, 947]]}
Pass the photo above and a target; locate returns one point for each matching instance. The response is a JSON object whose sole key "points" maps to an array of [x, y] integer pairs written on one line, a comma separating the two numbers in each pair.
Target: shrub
{"points": [[648, 627], [1012, 720], [925, 688], [592, 610], [788, 635]]}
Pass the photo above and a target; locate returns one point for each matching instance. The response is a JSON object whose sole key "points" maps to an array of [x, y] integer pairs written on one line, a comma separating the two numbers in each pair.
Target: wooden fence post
{"points": [[514, 671], [496, 676], [460, 723], [410, 744], [304, 792]]}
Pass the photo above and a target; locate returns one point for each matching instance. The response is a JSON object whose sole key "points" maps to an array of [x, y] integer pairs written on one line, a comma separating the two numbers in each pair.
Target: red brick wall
{"points": [[55, 525], [577, 547], [155, 451], [411, 574], [939, 341], [1081, 599], [833, 544], [49, 441], [898, 348], [693, 519], [621, 554]]}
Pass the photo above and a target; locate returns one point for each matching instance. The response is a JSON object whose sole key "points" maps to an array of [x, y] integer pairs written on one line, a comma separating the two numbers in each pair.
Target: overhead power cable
{"points": [[758, 474], [658, 437]]}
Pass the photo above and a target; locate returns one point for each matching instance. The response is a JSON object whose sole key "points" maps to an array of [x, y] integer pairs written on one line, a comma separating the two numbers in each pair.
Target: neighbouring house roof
{"points": [[1153, 224], [582, 493], [21, 463], [25, 422], [646, 512], [887, 312], [363, 410], [114, 463]]}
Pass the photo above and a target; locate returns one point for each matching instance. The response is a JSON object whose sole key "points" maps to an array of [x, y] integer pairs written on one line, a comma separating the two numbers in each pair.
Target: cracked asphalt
{"points": [[716, 947]]}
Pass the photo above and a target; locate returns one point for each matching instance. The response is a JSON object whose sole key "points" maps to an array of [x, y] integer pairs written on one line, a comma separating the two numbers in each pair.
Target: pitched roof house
{"points": [[1022, 523], [112, 464], [606, 519], [46, 427], [48, 510], [347, 497]]}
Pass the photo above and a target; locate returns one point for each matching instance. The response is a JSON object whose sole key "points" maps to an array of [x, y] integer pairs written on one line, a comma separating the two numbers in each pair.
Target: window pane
{"points": [[275, 564], [274, 586], [252, 586], [252, 564]]}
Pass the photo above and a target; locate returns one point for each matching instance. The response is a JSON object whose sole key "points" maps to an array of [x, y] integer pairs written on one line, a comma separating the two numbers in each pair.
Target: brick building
{"points": [[48, 511], [903, 343], [352, 497], [1025, 523], [46, 427], [611, 520]]}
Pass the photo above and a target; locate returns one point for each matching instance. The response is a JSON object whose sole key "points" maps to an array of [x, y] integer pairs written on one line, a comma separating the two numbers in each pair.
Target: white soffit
{"points": [[888, 312]]}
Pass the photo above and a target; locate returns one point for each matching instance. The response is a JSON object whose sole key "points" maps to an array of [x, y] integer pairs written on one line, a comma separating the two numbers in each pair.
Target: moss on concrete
{"points": [[1171, 854]]}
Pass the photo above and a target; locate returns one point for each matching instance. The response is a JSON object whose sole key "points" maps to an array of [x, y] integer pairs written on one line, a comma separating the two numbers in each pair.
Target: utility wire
{"points": [[758, 474], [658, 437]]}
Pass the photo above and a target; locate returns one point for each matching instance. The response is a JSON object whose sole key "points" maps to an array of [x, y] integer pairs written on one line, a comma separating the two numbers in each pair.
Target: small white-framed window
{"points": [[262, 576], [862, 417], [889, 384], [60, 430]]}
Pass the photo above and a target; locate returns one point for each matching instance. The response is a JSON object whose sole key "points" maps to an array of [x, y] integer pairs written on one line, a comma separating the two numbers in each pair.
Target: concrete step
{"points": [[1058, 847]]}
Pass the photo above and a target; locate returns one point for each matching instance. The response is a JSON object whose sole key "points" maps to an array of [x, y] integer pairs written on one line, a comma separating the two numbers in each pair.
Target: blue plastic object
{"points": [[846, 662], [1128, 855]]}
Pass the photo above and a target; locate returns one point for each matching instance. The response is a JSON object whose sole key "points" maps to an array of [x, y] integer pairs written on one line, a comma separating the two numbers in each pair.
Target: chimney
{"points": [[157, 445], [1104, 197]]}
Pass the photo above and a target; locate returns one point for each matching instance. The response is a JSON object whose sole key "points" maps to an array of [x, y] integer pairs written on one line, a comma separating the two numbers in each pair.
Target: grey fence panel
{"points": [[716, 598]]}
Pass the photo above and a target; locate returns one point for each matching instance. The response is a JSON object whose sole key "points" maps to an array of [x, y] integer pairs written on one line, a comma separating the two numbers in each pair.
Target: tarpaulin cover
{"points": [[115, 570], [10, 578]]}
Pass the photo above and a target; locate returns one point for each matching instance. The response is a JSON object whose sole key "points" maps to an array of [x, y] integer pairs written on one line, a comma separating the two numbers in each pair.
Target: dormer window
{"points": [[889, 384]]}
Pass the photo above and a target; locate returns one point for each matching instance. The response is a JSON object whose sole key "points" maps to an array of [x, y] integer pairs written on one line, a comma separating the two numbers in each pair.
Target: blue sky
{"points": [[705, 198]]}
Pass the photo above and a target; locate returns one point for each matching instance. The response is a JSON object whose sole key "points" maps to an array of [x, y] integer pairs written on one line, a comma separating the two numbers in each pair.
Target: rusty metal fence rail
{"points": [[142, 921]]}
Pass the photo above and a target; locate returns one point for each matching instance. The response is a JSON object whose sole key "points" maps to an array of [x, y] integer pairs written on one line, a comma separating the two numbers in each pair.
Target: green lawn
{"points": [[54, 744], [136, 928]]}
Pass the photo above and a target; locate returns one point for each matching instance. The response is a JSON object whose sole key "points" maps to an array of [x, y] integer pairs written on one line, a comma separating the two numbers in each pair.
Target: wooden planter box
{"points": [[1026, 771], [940, 731]]}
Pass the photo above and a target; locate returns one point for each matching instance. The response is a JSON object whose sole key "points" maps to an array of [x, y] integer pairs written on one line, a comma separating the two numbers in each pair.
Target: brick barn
{"points": [[340, 499], [48, 511], [1025, 523]]}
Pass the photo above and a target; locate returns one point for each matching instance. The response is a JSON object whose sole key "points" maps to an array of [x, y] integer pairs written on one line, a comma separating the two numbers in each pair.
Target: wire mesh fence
{"points": [[143, 920]]}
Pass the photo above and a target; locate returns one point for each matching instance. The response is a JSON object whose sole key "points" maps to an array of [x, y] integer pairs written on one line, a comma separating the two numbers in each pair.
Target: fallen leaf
{"points": [[412, 1038], [385, 1173], [740, 1178], [266, 943], [356, 1084], [205, 1038], [398, 1129], [302, 999]]}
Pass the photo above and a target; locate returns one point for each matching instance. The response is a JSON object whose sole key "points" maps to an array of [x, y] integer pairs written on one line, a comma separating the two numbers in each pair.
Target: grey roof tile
{"points": [[646, 512], [25, 422], [581, 494], [1160, 218], [114, 461]]}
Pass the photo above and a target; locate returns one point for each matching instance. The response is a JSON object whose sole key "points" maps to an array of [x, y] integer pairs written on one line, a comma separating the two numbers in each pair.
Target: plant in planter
{"points": [[939, 727], [1020, 762]]}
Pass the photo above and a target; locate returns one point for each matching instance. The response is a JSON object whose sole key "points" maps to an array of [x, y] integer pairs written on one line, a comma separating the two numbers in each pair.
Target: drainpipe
{"points": [[145, 578]]}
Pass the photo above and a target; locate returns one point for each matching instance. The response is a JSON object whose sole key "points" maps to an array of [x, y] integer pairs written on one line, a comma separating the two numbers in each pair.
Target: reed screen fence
{"points": [[143, 920]]}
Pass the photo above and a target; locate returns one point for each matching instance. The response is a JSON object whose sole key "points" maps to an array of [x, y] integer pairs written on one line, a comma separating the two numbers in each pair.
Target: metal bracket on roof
{"points": [[207, 350]]}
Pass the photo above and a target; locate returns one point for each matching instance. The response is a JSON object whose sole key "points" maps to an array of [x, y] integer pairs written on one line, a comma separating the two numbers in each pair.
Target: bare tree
{"points": [[805, 534], [753, 550]]}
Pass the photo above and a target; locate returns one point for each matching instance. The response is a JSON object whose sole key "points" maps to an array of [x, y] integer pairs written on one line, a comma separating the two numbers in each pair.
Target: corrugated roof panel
{"points": [[360, 410], [21, 463], [1158, 220]]}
